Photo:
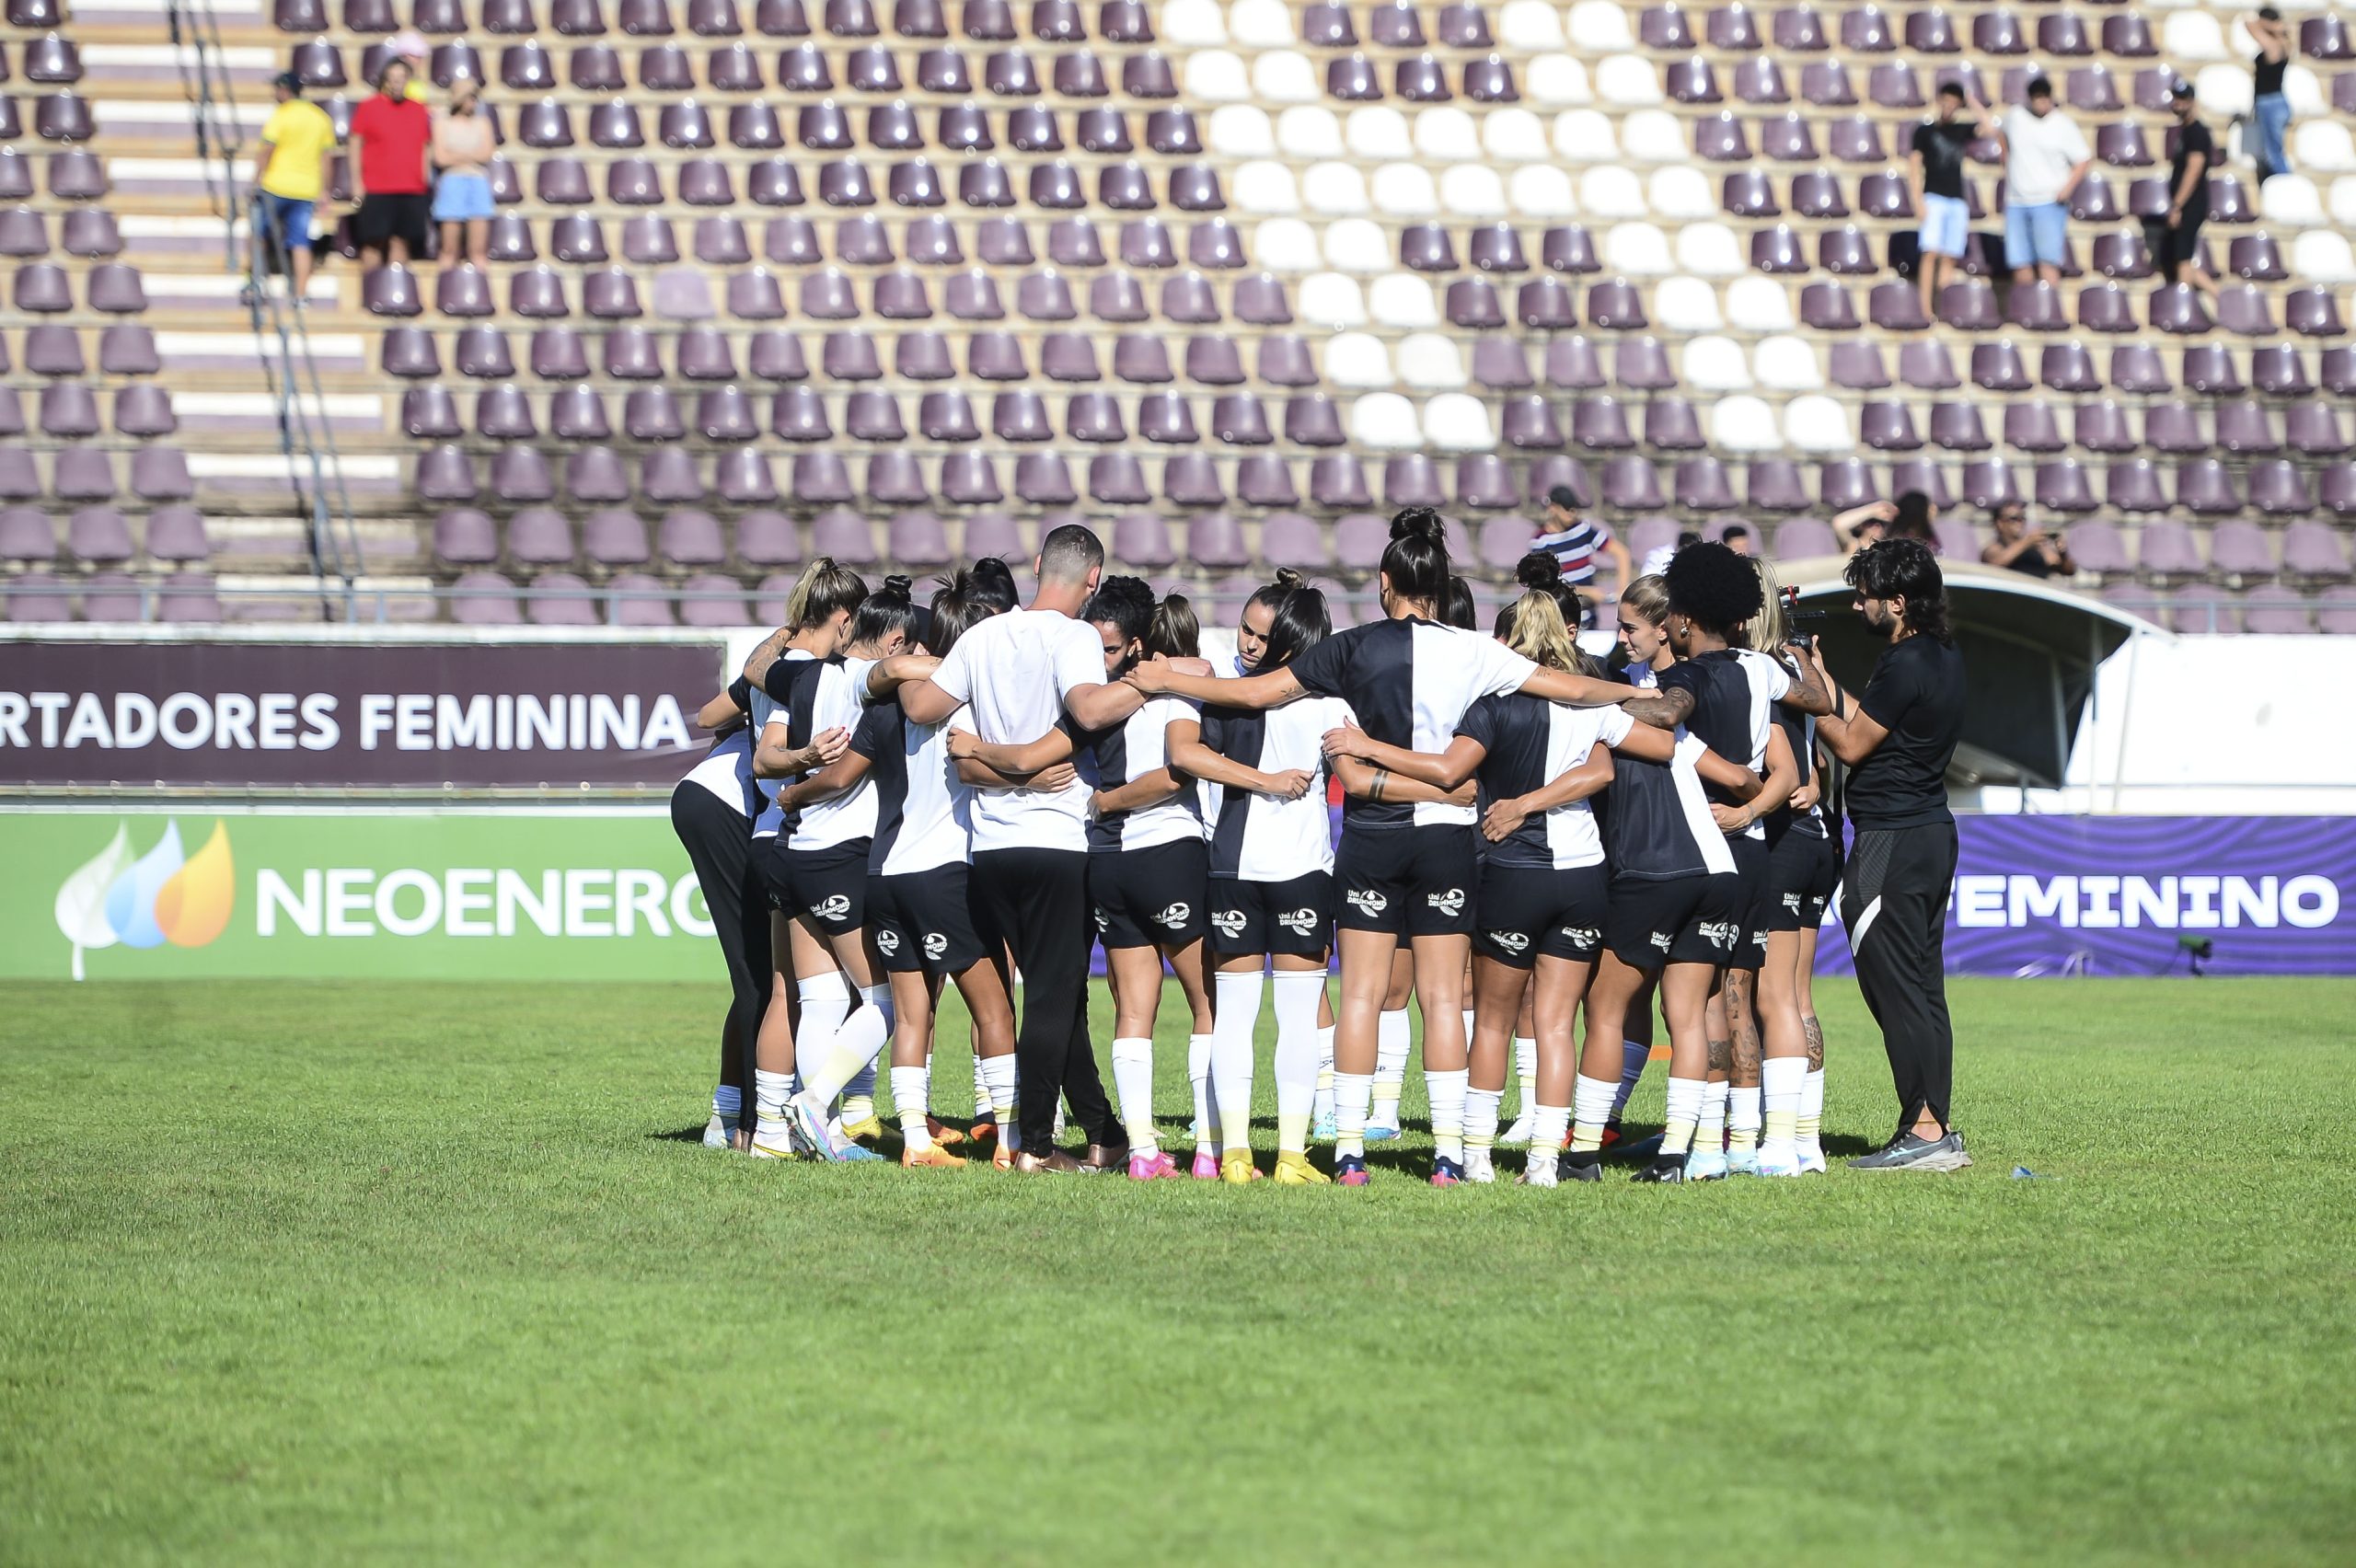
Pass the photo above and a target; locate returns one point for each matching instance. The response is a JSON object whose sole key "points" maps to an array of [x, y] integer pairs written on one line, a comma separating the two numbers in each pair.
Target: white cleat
{"points": [[1774, 1160], [1383, 1131], [1479, 1169], [1743, 1162], [1540, 1176], [1515, 1136], [1706, 1165], [1812, 1159], [775, 1142], [720, 1132]]}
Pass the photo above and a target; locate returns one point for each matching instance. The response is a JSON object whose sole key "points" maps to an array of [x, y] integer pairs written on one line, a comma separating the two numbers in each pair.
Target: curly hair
{"points": [[1905, 569], [1713, 587]]}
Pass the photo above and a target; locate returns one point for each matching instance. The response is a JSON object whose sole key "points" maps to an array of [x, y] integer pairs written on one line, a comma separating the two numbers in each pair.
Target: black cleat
{"points": [[1584, 1165], [1664, 1168]]}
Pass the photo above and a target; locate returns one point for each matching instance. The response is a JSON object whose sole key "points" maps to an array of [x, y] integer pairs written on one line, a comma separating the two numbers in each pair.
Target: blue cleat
{"points": [[1447, 1172], [1349, 1170], [1381, 1132], [1742, 1162], [1327, 1131], [1706, 1165]]}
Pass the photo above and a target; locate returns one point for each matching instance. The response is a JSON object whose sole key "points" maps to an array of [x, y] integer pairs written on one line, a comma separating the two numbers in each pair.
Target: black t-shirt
{"points": [[2190, 139], [1916, 694], [2266, 76], [2031, 563], [1942, 142]]}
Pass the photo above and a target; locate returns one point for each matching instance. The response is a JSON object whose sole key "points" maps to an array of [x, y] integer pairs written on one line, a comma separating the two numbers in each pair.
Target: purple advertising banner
{"points": [[331, 715], [2121, 895]]}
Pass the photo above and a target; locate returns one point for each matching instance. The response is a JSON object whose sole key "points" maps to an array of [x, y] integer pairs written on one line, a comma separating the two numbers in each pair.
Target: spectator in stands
{"points": [[2268, 106], [2045, 157], [2030, 551], [1656, 560], [391, 130], [1910, 519], [408, 47], [1736, 537], [290, 172], [1935, 166], [1573, 541], [462, 150], [2176, 244], [1863, 525]]}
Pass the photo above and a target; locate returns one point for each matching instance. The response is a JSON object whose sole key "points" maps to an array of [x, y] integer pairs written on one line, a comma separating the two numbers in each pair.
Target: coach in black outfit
{"points": [[1897, 740]]}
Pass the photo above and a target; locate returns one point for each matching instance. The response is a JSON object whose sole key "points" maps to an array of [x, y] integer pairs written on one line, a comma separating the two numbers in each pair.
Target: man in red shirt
{"points": [[392, 184]]}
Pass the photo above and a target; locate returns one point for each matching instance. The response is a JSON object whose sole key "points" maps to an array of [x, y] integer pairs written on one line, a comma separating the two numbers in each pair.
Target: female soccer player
{"points": [[712, 811], [1403, 871], [1271, 892]]}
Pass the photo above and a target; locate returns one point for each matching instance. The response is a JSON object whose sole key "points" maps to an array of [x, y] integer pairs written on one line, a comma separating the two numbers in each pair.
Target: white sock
{"points": [[1684, 1112], [1525, 1071], [728, 1102], [1391, 1038], [1481, 1117], [1199, 1073], [770, 1091], [1237, 1017], [1297, 996], [1132, 1081], [825, 1002], [1742, 1117], [1711, 1136], [1591, 1102], [1633, 1055], [1548, 1123], [998, 1093], [1811, 1118], [1447, 1091], [1325, 1070], [907, 1103], [1351, 1093], [982, 1106], [854, 1047], [1780, 1085]]}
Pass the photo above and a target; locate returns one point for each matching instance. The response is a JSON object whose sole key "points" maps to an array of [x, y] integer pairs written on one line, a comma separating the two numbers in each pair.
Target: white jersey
{"points": [[1111, 757], [1014, 671], [1769, 684], [924, 812], [727, 771], [849, 816], [1260, 837], [761, 708]]}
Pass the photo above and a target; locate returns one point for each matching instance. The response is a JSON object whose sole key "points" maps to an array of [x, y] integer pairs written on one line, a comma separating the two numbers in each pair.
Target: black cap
{"points": [[2183, 90], [1564, 497], [289, 80]]}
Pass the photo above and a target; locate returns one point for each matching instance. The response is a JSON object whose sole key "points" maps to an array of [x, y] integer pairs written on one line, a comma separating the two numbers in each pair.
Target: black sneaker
{"points": [[1583, 1165], [1664, 1168], [1912, 1151]]}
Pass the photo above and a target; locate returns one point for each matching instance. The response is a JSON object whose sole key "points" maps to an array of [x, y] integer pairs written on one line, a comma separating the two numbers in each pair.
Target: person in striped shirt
{"points": [[1575, 542]]}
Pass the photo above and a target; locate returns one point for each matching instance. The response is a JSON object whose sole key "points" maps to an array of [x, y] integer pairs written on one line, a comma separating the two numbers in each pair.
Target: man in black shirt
{"points": [[2019, 547], [2177, 247], [1935, 161], [1898, 740]]}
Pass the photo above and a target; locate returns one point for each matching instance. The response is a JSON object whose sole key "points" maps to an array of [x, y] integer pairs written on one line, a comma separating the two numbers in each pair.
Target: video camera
{"points": [[1796, 618]]}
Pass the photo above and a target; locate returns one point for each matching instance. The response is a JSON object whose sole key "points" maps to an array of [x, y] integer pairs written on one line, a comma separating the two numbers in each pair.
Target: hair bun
{"points": [[1419, 522], [1288, 579], [899, 585], [1536, 570]]}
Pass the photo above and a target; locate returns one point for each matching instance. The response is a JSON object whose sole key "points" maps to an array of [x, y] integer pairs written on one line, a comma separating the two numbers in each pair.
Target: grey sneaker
{"points": [[1911, 1151]]}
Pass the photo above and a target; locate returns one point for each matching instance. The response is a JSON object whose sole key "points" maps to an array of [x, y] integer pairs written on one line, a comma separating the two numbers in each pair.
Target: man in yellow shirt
{"points": [[291, 171]]}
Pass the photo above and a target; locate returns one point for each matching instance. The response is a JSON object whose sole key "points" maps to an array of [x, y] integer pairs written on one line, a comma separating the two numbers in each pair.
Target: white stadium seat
{"points": [[1681, 192], [1337, 189], [2292, 200], [1405, 191], [1378, 132], [1609, 190], [1786, 364], [1756, 303], [2304, 91], [1527, 27], [1712, 364], [1329, 299], [1472, 191], [1655, 136], [1818, 423], [1358, 245], [1285, 76], [1458, 422], [1711, 250], [1430, 363], [1556, 81], [1385, 421], [1357, 360], [1743, 423], [1402, 300], [2193, 37], [1309, 130], [1584, 136], [1637, 251], [2223, 89], [2322, 256], [1240, 131], [1542, 191], [1598, 26], [1193, 24], [1628, 80], [2343, 201], [1513, 135], [1265, 187], [2323, 146], [1448, 135], [1287, 245], [1217, 77], [1262, 24], [1686, 304]]}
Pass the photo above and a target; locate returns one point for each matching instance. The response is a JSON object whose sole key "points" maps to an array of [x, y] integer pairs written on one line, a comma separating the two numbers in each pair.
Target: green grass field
{"points": [[337, 1272]]}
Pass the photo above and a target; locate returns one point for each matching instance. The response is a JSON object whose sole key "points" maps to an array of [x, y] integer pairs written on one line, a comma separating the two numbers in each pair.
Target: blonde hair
{"points": [[1766, 631], [823, 589], [1537, 631], [1648, 596]]}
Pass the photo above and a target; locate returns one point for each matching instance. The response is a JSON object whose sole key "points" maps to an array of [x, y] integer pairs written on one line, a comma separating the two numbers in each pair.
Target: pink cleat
{"points": [[1152, 1167], [1206, 1166]]}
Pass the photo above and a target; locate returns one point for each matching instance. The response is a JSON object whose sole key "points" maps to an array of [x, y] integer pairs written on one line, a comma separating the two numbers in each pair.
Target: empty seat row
{"points": [[69, 410], [37, 596], [45, 288], [52, 348], [984, 21], [74, 174], [81, 473], [83, 231], [2306, 551], [2269, 610], [102, 536]]}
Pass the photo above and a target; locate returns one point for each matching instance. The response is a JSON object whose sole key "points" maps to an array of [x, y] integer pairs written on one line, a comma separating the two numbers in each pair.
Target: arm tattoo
{"points": [[1374, 789], [1666, 711]]}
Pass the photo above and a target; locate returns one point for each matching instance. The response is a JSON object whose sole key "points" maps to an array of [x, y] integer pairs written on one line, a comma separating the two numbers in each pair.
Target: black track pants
{"points": [[1038, 900], [1894, 901]]}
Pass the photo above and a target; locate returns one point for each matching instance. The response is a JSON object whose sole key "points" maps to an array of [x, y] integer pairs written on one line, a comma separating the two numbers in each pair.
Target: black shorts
{"points": [[1751, 863], [1150, 897], [1803, 870], [1694, 919], [828, 887], [1528, 912], [407, 218], [1409, 882], [769, 860], [925, 921], [1294, 918]]}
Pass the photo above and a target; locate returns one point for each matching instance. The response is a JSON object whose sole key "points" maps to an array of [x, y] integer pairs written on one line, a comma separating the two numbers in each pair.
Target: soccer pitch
{"points": [[306, 1272]]}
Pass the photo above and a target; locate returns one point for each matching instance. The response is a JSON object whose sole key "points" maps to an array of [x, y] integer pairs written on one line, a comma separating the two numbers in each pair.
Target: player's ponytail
{"points": [[1459, 611], [888, 609], [1538, 632], [965, 599], [1175, 632], [1416, 562], [824, 591], [1273, 594], [1301, 623]]}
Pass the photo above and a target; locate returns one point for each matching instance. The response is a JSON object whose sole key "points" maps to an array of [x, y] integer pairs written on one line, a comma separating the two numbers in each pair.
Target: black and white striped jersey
{"points": [[1410, 683], [923, 812], [835, 703], [1734, 691], [1120, 754], [1528, 743], [1259, 837]]}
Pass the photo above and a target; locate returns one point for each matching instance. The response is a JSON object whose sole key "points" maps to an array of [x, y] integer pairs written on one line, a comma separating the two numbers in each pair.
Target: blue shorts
{"points": [[2034, 235], [1946, 222], [288, 219], [459, 198]]}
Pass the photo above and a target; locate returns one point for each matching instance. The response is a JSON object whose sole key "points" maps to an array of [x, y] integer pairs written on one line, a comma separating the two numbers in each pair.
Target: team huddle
{"points": [[974, 792]]}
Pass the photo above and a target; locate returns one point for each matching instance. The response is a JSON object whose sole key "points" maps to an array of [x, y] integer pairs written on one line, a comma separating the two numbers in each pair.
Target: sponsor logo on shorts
{"points": [[1759, 939], [1450, 902], [833, 909], [1174, 917], [1660, 940], [1103, 921], [1228, 923], [935, 944], [887, 940], [1720, 933], [1512, 941], [1299, 922], [1792, 902], [1366, 901], [1583, 936]]}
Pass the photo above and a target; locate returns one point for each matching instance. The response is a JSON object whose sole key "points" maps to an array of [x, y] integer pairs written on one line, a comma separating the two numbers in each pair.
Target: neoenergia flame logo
{"points": [[161, 896]]}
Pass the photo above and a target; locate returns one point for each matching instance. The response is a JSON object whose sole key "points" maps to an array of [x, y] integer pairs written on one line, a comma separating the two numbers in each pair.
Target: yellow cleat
{"points": [[1235, 1167], [867, 1130], [1294, 1170], [933, 1159]]}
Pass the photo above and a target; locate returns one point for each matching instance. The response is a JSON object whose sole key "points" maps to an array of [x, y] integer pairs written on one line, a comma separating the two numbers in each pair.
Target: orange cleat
{"points": [[933, 1159], [943, 1133]]}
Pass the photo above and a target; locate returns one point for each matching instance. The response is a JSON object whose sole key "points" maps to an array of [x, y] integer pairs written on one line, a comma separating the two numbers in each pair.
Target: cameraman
{"points": [[1897, 741]]}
